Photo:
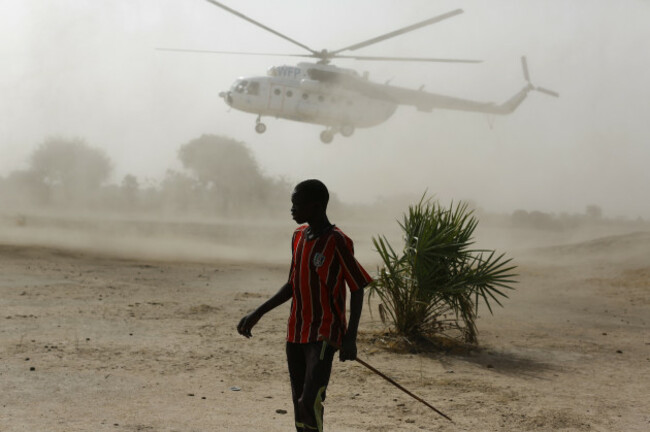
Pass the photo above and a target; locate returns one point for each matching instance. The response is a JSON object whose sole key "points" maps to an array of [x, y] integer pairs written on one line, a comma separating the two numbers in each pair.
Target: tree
{"points": [[226, 169], [129, 190], [71, 165], [435, 285], [23, 188], [179, 192], [594, 211], [219, 160]]}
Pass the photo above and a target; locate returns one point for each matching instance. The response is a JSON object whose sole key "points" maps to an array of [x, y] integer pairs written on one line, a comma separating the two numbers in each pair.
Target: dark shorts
{"points": [[310, 365]]}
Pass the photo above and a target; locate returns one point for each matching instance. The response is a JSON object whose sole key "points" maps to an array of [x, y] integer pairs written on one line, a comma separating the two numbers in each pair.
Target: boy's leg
{"points": [[296, 363], [318, 366]]}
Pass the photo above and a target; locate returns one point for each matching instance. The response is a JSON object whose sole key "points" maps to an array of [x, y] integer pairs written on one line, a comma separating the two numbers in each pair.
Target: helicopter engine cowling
{"points": [[312, 86]]}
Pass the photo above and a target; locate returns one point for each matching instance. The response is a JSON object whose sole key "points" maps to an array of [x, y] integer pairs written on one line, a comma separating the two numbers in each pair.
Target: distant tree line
{"points": [[220, 177], [545, 221]]}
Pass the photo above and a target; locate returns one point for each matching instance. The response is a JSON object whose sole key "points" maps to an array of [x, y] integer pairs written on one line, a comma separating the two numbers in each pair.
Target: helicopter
{"points": [[341, 99]]}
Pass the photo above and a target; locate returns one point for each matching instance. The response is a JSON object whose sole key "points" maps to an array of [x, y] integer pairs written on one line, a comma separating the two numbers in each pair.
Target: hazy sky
{"points": [[89, 69]]}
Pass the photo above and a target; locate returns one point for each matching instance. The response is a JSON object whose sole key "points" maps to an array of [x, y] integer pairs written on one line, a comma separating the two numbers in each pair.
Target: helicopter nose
{"points": [[226, 96]]}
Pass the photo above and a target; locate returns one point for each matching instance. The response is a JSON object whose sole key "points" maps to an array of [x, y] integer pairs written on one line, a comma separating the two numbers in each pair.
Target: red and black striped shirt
{"points": [[320, 268]]}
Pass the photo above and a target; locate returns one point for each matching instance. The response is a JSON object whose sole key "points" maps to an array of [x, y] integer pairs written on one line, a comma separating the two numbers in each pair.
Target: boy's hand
{"points": [[247, 323], [348, 348]]}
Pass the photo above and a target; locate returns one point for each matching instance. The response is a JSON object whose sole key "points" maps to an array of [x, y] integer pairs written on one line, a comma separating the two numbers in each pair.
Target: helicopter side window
{"points": [[276, 92], [253, 88], [305, 96], [289, 93]]}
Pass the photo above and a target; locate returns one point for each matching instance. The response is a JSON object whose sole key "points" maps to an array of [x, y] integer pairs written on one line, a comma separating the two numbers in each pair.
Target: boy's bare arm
{"points": [[247, 323], [349, 345]]}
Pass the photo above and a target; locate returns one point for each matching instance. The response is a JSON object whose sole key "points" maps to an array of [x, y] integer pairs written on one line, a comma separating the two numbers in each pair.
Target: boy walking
{"points": [[322, 263]]}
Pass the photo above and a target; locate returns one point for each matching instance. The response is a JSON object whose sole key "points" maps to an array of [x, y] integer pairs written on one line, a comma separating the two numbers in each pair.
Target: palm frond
{"points": [[438, 273]]}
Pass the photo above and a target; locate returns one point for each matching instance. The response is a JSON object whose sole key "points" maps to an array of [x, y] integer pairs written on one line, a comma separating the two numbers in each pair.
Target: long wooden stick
{"points": [[390, 380], [393, 382]]}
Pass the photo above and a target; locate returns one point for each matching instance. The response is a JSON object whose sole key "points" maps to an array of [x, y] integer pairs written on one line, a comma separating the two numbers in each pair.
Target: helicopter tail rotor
{"points": [[524, 67]]}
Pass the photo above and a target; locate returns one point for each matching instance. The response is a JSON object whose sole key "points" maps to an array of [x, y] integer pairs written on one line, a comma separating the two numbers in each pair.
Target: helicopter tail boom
{"points": [[424, 101]]}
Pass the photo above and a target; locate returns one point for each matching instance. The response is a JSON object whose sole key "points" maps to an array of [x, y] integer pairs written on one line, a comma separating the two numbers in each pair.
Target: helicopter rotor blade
{"points": [[252, 21], [232, 52], [408, 59], [547, 91], [397, 32], [524, 66]]}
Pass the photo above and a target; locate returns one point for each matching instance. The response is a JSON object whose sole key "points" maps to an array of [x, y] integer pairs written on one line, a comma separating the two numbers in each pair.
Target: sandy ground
{"points": [[99, 342]]}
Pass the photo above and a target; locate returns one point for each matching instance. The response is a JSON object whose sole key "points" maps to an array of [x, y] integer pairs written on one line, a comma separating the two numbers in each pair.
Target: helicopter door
{"points": [[276, 97]]}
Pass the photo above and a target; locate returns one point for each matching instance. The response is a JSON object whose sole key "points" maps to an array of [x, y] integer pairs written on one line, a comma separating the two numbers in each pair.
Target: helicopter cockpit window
{"points": [[241, 86], [253, 88]]}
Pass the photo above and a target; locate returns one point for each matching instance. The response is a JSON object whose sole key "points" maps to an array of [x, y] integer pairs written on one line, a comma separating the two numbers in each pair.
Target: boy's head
{"points": [[309, 200]]}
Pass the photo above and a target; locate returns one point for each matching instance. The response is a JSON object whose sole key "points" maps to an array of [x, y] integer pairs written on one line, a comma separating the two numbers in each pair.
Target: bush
{"points": [[435, 285]]}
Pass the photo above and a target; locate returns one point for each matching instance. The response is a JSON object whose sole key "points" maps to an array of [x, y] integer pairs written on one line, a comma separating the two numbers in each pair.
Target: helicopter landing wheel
{"points": [[260, 128], [327, 136], [347, 130]]}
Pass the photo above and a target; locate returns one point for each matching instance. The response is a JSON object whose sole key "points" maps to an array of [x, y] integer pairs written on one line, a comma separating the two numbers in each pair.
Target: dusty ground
{"points": [[94, 342]]}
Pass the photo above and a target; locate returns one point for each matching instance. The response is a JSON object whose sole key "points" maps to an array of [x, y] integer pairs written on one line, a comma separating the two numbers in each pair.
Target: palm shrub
{"points": [[434, 286]]}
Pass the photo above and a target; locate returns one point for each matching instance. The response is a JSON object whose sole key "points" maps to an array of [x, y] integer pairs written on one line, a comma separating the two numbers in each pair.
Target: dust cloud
{"points": [[221, 205], [555, 171]]}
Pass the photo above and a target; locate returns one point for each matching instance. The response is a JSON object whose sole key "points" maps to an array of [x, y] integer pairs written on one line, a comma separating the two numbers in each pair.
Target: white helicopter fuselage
{"points": [[339, 98], [288, 92]]}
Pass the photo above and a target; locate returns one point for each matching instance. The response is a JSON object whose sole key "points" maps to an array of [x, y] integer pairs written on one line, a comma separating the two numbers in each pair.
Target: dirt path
{"points": [[97, 343]]}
